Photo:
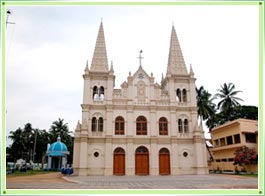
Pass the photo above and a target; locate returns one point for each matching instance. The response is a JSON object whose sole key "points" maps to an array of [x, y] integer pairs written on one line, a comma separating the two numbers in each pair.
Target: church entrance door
{"points": [[141, 161], [164, 162], [119, 162]]}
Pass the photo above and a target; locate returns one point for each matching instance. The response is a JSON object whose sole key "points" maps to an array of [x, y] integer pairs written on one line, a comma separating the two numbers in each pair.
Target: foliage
{"points": [[227, 94], [24, 141], [247, 112], [59, 128], [228, 106], [245, 156], [206, 107]]}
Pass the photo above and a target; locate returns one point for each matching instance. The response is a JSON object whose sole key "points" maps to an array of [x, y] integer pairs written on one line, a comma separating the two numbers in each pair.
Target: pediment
{"points": [[141, 74]]}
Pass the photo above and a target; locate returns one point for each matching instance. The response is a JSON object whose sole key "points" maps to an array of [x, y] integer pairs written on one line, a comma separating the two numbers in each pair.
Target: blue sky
{"points": [[48, 47]]}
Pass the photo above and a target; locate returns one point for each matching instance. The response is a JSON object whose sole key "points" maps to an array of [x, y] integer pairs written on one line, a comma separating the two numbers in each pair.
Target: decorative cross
{"points": [[140, 57]]}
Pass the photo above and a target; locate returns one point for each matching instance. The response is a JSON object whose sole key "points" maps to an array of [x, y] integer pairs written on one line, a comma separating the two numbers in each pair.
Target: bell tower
{"points": [[99, 80]]}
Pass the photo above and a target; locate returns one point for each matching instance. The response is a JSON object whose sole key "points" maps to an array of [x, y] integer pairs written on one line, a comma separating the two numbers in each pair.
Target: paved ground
{"points": [[57, 181]]}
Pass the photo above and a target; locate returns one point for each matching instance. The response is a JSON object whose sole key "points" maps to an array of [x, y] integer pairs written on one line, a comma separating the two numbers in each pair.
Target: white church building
{"points": [[142, 128]]}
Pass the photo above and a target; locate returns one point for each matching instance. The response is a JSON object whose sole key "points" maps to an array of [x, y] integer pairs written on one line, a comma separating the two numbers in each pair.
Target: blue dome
{"points": [[57, 148]]}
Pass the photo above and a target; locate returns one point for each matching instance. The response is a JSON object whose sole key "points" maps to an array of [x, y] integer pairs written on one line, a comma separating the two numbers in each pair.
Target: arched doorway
{"points": [[164, 162], [119, 162], [141, 161]]}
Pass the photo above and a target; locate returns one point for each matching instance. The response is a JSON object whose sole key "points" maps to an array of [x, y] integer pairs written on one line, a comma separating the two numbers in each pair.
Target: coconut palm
{"points": [[18, 146], [59, 128], [227, 94], [206, 107]]}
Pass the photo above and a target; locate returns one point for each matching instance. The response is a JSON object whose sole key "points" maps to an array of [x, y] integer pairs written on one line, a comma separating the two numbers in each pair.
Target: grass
{"points": [[249, 175], [30, 173]]}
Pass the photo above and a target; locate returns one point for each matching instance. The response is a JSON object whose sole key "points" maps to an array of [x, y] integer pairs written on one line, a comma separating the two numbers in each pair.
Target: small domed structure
{"points": [[57, 154]]}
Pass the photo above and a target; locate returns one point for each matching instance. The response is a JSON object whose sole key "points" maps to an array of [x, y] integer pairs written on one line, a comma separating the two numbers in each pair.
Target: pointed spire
{"points": [[111, 67], [78, 126], [100, 60], [191, 71], [86, 69], [176, 64]]}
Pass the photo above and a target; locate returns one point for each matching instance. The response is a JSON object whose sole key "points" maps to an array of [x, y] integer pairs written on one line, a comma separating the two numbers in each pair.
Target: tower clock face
{"points": [[141, 76]]}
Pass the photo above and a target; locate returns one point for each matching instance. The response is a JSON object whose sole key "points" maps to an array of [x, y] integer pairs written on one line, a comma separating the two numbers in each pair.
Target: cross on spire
{"points": [[140, 58]]}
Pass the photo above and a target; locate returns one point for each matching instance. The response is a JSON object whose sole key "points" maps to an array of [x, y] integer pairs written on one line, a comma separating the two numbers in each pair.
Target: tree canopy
{"points": [[227, 109], [29, 139]]}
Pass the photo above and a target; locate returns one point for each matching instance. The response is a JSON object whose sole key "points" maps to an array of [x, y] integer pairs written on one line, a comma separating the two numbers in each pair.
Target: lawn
{"points": [[249, 175], [30, 172]]}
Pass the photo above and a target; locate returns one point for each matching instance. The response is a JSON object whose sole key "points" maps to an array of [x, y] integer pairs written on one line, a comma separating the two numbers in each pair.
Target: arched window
{"points": [[186, 126], [178, 95], [119, 150], [95, 92], [94, 124], [100, 124], [184, 95], [101, 93], [180, 126], [101, 90], [119, 126], [141, 125], [141, 150], [163, 128], [163, 151]]}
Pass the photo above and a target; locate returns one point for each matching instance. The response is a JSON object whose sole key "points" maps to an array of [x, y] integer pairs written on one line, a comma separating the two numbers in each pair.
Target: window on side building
{"points": [[237, 138], [222, 141], [229, 140], [250, 137]]}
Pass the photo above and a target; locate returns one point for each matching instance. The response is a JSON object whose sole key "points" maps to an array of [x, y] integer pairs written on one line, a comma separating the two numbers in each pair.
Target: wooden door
{"points": [[142, 161], [119, 162], [164, 162]]}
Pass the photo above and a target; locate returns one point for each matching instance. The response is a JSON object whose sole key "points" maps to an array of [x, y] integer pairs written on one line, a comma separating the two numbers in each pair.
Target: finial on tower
{"points": [[191, 71], [86, 68], [111, 66]]}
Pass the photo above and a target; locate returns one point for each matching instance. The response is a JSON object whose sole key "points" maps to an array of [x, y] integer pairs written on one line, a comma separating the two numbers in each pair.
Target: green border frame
{"points": [[259, 191]]}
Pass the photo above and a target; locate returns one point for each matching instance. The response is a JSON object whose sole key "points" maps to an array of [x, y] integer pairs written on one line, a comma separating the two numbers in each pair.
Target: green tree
{"points": [[247, 112], [18, 144], [22, 146], [228, 100], [206, 107], [42, 138], [59, 128]]}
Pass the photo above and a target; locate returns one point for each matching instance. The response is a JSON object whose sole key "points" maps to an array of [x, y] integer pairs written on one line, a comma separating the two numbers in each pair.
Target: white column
{"points": [[49, 162], [83, 157], [153, 156], [130, 158], [108, 158]]}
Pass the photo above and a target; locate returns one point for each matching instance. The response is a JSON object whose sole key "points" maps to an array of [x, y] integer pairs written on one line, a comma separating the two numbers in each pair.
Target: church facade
{"points": [[142, 128]]}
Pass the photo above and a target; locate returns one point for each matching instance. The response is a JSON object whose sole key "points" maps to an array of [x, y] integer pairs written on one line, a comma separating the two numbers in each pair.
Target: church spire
{"points": [[191, 71], [100, 60], [176, 64]]}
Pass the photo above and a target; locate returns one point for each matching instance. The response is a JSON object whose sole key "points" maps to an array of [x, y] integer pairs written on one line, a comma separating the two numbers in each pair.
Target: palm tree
{"points": [[227, 94], [18, 146], [206, 107], [59, 128]]}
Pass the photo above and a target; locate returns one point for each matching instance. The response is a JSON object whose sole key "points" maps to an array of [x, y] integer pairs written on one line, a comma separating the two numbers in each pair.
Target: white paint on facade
{"points": [[97, 137]]}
